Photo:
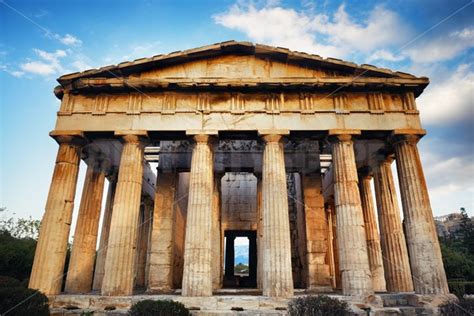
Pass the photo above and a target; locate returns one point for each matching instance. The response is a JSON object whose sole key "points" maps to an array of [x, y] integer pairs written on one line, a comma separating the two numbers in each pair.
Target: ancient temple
{"points": [[253, 141]]}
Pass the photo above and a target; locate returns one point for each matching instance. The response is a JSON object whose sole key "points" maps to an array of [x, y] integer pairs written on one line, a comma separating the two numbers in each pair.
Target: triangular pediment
{"points": [[239, 60]]}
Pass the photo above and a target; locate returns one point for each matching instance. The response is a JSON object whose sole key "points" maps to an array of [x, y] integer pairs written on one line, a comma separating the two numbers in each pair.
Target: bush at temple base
{"points": [[461, 308], [158, 308], [320, 305], [30, 302]]}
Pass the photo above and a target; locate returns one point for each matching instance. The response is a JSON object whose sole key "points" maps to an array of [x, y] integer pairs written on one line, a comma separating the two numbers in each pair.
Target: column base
{"points": [[319, 289], [160, 290]]}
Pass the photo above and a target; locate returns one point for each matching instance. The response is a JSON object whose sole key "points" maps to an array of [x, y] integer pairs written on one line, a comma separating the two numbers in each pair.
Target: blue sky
{"points": [[40, 40]]}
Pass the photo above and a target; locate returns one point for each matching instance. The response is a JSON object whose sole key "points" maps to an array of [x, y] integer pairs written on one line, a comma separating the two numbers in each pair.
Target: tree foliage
{"points": [[19, 301], [458, 253], [158, 308], [319, 305], [19, 227]]}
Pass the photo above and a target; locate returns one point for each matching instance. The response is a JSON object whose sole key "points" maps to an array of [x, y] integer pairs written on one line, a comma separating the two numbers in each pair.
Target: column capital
{"points": [[272, 138], [96, 159], [365, 172], [342, 135], [132, 136], [204, 138], [112, 174], [411, 139], [74, 138], [384, 155]]}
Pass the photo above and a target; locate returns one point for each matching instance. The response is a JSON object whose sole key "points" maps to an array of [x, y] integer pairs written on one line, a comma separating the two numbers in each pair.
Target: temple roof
{"points": [[118, 76]]}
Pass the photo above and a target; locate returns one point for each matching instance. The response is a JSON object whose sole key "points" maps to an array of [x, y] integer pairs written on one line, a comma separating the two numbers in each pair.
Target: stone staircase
{"points": [[403, 304]]}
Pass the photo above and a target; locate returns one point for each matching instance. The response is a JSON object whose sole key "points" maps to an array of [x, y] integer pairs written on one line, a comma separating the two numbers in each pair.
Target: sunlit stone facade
{"points": [[251, 141]]}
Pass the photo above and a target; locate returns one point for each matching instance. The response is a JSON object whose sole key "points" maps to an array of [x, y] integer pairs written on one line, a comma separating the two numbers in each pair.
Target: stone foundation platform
{"points": [[243, 304]]}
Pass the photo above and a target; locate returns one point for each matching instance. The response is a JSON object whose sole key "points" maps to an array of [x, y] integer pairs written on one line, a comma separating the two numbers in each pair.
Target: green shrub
{"points": [[469, 288], [457, 288], [6, 281], [461, 308], [158, 308], [27, 302], [319, 305]]}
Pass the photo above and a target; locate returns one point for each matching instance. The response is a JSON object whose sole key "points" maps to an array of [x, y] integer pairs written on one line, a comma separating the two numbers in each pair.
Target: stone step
{"points": [[61, 312]]}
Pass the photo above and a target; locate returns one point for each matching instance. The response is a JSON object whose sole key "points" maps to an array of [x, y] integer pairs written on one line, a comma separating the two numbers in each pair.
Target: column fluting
{"points": [[104, 234], [426, 262], [353, 258], [197, 274], [277, 273], [374, 250], [50, 255], [81, 265], [394, 249], [120, 260]]}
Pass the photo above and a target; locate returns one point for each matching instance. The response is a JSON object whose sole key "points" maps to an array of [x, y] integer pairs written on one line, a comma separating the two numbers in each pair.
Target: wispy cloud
{"points": [[14, 73], [69, 40], [337, 34], [384, 54], [133, 51], [450, 100], [47, 64], [442, 47]]}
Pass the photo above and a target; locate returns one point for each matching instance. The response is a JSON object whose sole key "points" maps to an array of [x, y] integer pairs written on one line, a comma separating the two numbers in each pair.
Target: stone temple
{"points": [[251, 141]]}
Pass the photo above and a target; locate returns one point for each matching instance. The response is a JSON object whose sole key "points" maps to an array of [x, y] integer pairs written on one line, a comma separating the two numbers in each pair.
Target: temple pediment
{"points": [[238, 62]]}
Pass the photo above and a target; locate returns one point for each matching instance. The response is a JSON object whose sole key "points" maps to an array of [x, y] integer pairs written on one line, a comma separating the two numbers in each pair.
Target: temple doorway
{"points": [[240, 260]]}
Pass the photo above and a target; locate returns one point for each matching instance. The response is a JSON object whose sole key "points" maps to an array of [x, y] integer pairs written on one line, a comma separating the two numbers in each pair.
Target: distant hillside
{"points": [[242, 254], [448, 225]]}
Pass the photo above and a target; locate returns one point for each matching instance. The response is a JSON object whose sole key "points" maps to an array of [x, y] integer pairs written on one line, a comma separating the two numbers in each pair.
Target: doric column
{"points": [[120, 259], [316, 233], [331, 261], [197, 274], [394, 249], [425, 255], [335, 245], [160, 273], [142, 242], [50, 255], [374, 250], [216, 235], [277, 274], [81, 265], [104, 234], [259, 231], [253, 259], [353, 258]]}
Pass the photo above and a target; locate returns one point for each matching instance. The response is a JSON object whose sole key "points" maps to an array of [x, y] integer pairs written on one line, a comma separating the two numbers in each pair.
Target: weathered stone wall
{"points": [[316, 233], [239, 201], [297, 229]]}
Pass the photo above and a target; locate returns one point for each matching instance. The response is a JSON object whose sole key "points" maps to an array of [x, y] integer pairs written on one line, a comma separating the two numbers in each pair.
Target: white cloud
{"points": [[133, 51], [382, 28], [338, 35], [7, 69], [38, 67], [448, 174], [81, 64], [451, 100], [383, 54], [443, 47], [48, 64], [69, 40], [16, 73]]}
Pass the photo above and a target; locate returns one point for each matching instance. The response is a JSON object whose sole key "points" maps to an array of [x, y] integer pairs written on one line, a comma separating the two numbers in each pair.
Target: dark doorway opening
{"points": [[242, 278]]}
